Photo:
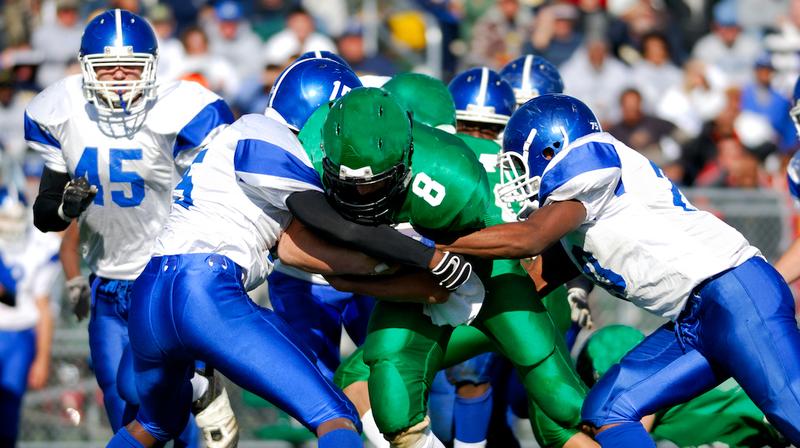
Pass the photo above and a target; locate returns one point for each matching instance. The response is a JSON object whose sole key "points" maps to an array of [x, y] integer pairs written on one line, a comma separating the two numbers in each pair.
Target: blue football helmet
{"points": [[306, 85], [538, 130], [481, 95], [119, 38], [531, 76], [323, 54]]}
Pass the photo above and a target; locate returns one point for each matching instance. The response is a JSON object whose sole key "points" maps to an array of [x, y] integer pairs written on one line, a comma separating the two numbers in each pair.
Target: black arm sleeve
{"points": [[45, 208], [382, 242]]}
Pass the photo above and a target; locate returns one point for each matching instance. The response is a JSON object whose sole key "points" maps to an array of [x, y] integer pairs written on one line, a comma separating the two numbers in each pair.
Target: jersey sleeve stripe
{"points": [[265, 158], [195, 132], [34, 132], [589, 157]]}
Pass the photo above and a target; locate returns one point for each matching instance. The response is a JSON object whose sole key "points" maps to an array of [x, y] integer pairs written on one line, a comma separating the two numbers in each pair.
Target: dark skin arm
{"points": [[524, 239], [410, 285], [551, 269]]}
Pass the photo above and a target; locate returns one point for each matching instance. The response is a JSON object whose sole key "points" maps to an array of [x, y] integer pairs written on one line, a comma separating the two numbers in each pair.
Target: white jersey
{"points": [[32, 265], [641, 240], [134, 163], [232, 201]]}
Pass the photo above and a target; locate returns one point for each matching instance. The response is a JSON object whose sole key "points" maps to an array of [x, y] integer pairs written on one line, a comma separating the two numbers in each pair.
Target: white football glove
{"points": [[79, 294], [462, 306], [578, 290]]}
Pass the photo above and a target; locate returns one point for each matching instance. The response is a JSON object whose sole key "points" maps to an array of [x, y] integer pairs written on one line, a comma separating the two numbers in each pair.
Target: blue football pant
{"points": [[741, 324], [111, 357], [193, 306], [317, 313], [17, 350]]}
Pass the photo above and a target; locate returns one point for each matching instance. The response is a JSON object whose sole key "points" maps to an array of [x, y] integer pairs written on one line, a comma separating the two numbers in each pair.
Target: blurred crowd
{"points": [[702, 87]]}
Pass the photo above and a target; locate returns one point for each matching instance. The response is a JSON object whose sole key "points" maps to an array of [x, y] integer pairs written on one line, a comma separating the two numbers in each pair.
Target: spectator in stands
{"points": [[171, 56], [234, 40], [200, 65], [351, 48], [657, 139], [597, 78], [270, 17], [58, 42], [655, 73], [555, 34], [734, 167], [727, 47], [299, 37], [498, 36], [254, 93], [699, 98], [760, 97]]}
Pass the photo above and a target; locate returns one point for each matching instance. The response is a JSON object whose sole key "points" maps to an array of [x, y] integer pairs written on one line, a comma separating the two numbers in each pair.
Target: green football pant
{"points": [[404, 350]]}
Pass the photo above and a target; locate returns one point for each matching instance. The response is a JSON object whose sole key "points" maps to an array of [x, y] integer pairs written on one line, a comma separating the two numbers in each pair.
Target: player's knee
{"points": [[390, 398], [606, 404]]}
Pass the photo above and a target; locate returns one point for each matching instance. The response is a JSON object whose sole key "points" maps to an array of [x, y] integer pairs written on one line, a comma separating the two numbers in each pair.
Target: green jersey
{"points": [[448, 192], [486, 152]]}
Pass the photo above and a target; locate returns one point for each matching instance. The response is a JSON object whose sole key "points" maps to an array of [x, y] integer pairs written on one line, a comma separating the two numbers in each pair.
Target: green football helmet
{"points": [[427, 98], [604, 348], [367, 165]]}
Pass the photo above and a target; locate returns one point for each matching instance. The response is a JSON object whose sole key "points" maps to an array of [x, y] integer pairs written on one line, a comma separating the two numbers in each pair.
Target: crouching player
{"points": [[628, 228], [231, 208]]}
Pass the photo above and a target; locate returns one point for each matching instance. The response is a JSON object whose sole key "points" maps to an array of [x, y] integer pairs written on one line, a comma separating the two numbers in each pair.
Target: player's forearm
{"points": [[524, 239], [414, 286], [46, 216], [301, 248], [789, 263], [68, 252], [382, 242]]}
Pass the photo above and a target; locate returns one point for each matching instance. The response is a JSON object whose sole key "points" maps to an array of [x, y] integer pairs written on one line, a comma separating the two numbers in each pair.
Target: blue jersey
{"points": [[133, 160]]}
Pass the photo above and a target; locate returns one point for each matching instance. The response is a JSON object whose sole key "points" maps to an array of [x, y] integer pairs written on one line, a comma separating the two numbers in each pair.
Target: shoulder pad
{"points": [[54, 105], [177, 103]]}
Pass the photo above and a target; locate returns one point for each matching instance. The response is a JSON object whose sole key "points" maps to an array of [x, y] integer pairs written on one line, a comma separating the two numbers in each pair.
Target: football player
{"points": [[234, 205], [306, 301], [445, 194], [114, 144], [28, 271], [628, 228]]}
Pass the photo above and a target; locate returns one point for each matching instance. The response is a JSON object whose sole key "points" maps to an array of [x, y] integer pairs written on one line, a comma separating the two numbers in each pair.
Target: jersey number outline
{"points": [[88, 166], [428, 189]]}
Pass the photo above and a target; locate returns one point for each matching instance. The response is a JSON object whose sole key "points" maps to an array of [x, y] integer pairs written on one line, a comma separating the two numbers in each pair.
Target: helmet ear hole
{"points": [[548, 153]]}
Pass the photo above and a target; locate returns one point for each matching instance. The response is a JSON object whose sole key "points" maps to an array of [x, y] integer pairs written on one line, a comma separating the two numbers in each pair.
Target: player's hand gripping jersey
{"points": [[132, 160], [641, 239], [232, 201]]}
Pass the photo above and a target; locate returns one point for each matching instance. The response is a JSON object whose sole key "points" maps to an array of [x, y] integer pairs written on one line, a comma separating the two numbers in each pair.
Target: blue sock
{"points": [[341, 438], [472, 416], [625, 435], [123, 439]]}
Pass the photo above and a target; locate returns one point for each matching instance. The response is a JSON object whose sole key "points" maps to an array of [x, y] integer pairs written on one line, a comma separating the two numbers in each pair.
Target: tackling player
{"points": [[234, 205], [628, 228], [114, 144], [446, 194]]}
